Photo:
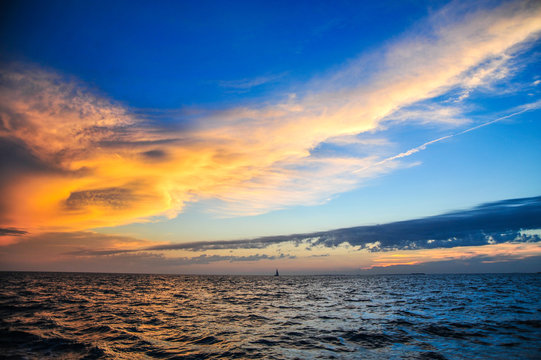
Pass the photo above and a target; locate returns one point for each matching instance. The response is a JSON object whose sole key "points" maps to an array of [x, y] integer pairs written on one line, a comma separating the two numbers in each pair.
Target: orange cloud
{"points": [[90, 162], [412, 257]]}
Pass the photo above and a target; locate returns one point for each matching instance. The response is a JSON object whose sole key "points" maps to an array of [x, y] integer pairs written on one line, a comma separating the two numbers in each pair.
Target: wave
{"points": [[194, 317]]}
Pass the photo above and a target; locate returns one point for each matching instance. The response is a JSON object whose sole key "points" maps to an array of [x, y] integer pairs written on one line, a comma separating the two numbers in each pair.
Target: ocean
{"points": [[128, 316]]}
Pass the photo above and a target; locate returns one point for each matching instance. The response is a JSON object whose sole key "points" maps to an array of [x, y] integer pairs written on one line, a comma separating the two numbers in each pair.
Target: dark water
{"points": [[68, 315]]}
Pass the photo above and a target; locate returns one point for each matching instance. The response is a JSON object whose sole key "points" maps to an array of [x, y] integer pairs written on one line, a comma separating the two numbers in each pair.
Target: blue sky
{"points": [[174, 122], [185, 50]]}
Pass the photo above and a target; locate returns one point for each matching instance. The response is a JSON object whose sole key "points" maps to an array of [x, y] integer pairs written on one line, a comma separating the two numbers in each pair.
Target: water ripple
{"points": [[122, 316]]}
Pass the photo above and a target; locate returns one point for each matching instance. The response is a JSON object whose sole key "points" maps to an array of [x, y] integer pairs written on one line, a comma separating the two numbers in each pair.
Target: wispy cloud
{"points": [[430, 114], [247, 84], [520, 110], [92, 162]]}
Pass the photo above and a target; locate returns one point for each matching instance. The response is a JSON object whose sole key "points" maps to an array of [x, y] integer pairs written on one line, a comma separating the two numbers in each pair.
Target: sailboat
{"points": [[276, 273]]}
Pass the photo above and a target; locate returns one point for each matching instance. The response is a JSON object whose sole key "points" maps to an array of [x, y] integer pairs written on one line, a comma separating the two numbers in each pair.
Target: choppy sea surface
{"points": [[125, 316]]}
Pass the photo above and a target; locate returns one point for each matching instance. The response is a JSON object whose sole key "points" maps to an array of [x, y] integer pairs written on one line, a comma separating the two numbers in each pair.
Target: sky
{"points": [[316, 137]]}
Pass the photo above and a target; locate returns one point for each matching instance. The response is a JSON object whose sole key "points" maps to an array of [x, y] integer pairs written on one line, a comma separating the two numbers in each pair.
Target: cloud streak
{"points": [[88, 251], [91, 162], [11, 232], [247, 84], [522, 109]]}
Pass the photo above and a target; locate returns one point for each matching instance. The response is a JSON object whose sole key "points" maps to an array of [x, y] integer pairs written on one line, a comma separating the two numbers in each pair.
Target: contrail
{"points": [[524, 108]]}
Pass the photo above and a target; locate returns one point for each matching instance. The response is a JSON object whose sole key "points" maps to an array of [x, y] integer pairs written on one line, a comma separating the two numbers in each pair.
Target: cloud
{"points": [[11, 232], [517, 111], [91, 162], [110, 197], [155, 154], [259, 243], [16, 161], [429, 114], [247, 84], [16, 157], [472, 265], [491, 223], [493, 233], [88, 251]]}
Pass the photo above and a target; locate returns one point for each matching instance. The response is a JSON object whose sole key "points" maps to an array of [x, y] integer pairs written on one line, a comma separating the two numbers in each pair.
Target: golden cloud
{"points": [[93, 163]]}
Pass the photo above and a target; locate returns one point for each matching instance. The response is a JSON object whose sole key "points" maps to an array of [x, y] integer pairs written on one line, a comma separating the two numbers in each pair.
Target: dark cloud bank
{"points": [[490, 223], [498, 222]]}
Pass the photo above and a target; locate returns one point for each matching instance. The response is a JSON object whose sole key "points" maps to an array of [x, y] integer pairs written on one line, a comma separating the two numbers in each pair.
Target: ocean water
{"points": [[121, 316]]}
